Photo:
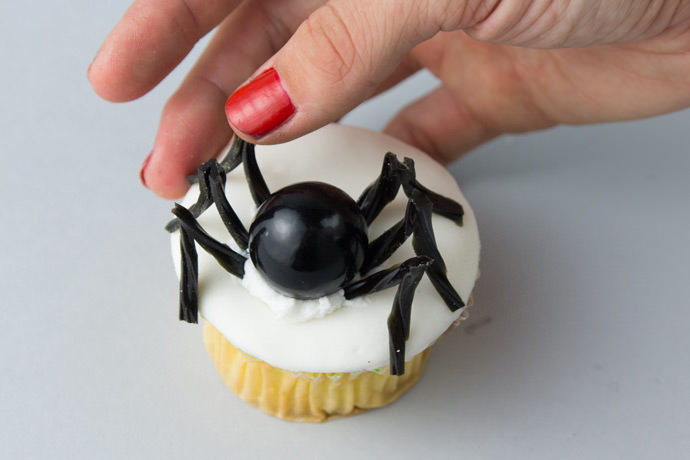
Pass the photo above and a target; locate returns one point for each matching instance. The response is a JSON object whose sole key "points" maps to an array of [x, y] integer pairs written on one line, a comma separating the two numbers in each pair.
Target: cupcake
{"points": [[324, 269]]}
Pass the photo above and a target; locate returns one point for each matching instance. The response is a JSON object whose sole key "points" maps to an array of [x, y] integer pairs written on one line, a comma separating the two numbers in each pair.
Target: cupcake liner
{"points": [[304, 396]]}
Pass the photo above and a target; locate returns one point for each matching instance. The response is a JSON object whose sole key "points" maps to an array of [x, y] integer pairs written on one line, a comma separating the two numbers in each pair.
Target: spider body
{"points": [[310, 239]]}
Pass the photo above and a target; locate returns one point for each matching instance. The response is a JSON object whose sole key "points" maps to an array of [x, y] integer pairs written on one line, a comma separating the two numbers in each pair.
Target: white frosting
{"points": [[289, 308], [340, 336]]}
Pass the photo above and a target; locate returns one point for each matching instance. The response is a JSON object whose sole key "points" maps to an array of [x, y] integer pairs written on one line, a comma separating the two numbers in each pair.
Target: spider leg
{"points": [[424, 243], [189, 279], [257, 184], [240, 151], [442, 205], [234, 156], [191, 231], [230, 161], [416, 222], [384, 189], [230, 260], [389, 241], [395, 174], [216, 185], [406, 276], [202, 202], [211, 178]]}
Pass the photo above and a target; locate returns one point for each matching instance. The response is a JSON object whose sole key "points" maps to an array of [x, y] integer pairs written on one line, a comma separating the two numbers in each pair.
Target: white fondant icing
{"points": [[354, 337]]}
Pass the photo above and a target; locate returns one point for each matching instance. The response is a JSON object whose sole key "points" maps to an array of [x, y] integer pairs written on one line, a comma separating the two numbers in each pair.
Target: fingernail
{"points": [[142, 171], [260, 106]]}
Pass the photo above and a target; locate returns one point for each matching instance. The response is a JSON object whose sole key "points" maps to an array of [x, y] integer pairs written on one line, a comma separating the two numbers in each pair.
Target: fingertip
{"points": [[142, 171], [118, 74], [166, 186], [164, 176], [146, 44], [111, 85], [190, 132], [260, 106]]}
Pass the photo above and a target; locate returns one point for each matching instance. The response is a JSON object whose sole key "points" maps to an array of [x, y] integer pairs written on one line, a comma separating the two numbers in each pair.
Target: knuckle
{"points": [[451, 15], [535, 24], [187, 21], [336, 53]]}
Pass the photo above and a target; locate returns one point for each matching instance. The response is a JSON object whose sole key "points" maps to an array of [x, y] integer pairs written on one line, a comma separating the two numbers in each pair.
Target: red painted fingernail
{"points": [[142, 171], [260, 106]]}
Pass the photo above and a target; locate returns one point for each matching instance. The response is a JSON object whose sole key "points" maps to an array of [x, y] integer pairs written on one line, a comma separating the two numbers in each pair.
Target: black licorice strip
{"points": [[408, 175], [230, 161], [417, 221], [257, 184], [384, 189], [389, 241], [203, 202], [406, 276], [424, 242], [226, 257], [382, 279], [189, 279], [400, 317], [396, 343], [442, 205], [216, 184], [233, 157], [386, 278], [446, 290]]}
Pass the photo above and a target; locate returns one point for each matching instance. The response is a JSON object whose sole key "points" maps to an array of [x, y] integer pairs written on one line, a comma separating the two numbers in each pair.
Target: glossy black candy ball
{"points": [[308, 240]]}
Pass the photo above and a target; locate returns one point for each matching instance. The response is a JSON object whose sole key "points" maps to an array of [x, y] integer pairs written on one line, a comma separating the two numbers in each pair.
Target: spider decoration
{"points": [[309, 239]]}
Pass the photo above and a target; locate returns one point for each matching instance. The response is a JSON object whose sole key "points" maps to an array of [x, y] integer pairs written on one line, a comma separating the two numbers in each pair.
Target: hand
{"points": [[506, 66]]}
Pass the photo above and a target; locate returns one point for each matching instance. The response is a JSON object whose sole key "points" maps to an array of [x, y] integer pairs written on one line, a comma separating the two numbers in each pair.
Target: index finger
{"points": [[148, 42]]}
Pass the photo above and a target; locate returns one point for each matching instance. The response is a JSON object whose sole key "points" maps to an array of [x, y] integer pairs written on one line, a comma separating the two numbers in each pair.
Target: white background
{"points": [[577, 346]]}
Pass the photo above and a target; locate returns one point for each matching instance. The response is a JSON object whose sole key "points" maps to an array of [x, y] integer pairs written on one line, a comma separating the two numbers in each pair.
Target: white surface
{"points": [[577, 347]]}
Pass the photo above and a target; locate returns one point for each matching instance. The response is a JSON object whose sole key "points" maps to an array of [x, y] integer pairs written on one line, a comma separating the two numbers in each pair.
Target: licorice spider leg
{"points": [[230, 161], [424, 243], [380, 249], [216, 186], [442, 205], [416, 222], [406, 276], [189, 279], [384, 189], [257, 184], [191, 232], [395, 174], [203, 201], [240, 151], [230, 260]]}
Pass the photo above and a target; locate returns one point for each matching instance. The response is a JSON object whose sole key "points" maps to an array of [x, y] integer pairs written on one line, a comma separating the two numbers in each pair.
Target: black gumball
{"points": [[308, 240]]}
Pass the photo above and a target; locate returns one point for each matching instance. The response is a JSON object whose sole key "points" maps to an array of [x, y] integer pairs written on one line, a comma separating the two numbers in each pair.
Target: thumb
{"points": [[335, 60]]}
